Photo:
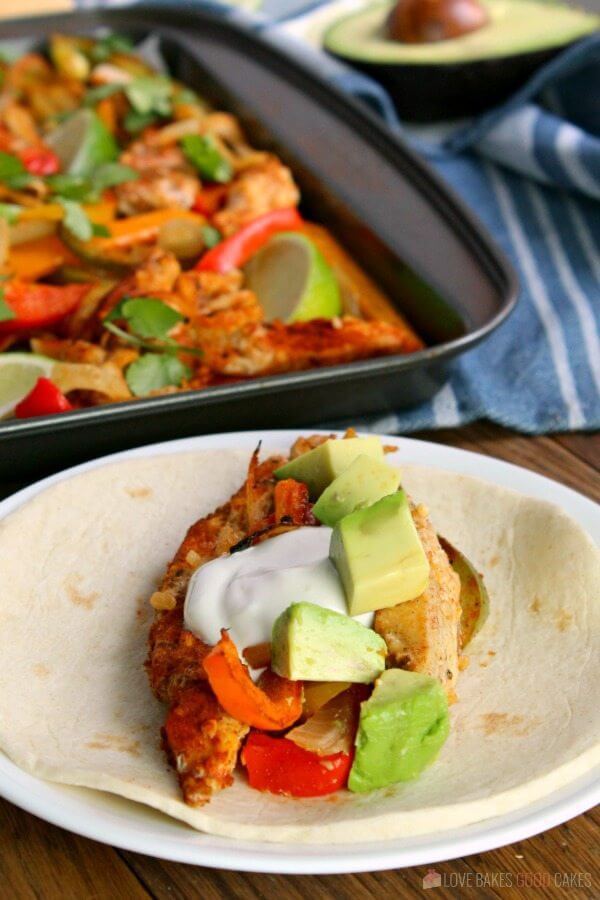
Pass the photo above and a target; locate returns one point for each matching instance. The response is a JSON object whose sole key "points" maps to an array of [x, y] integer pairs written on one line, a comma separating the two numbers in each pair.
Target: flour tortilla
{"points": [[79, 561]]}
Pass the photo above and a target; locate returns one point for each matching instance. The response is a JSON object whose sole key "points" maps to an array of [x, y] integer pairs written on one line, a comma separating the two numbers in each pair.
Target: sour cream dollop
{"points": [[247, 591]]}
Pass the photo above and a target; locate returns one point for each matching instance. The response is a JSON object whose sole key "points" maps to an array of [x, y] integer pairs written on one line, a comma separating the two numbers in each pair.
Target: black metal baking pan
{"points": [[402, 224]]}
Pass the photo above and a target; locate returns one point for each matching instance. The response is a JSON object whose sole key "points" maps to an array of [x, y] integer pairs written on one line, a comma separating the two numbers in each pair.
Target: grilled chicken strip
{"points": [[166, 180], [255, 191], [200, 739], [267, 348], [226, 321], [202, 744], [172, 190], [422, 634]]}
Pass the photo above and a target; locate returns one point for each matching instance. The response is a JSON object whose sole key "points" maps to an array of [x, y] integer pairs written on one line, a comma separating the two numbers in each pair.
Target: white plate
{"points": [[135, 827]]}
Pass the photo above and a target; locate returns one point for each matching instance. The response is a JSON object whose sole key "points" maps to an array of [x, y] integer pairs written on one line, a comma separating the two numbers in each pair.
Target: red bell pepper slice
{"points": [[209, 199], [274, 703], [40, 161], [43, 400], [235, 251], [39, 305], [281, 767]]}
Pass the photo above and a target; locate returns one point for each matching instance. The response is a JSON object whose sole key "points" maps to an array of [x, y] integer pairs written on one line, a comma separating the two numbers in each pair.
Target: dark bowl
{"points": [[400, 222]]}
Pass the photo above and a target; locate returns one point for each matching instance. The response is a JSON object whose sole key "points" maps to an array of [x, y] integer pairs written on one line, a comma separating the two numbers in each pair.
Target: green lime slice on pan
{"points": [[18, 375], [82, 142], [292, 280]]}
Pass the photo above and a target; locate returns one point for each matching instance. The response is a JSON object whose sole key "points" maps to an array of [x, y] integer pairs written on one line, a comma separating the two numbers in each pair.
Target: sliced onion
{"points": [[225, 126], [245, 160], [31, 230], [332, 729], [173, 132], [318, 693], [106, 73], [89, 304], [105, 379]]}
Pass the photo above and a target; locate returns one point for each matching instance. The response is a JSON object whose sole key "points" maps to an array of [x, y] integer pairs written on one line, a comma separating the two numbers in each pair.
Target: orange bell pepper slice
{"points": [[102, 213], [39, 258], [51, 212], [275, 704], [141, 228], [292, 502]]}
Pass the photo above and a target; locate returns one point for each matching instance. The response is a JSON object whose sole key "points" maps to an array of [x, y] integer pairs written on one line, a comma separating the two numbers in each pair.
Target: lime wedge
{"points": [[83, 142], [18, 375], [292, 281]]}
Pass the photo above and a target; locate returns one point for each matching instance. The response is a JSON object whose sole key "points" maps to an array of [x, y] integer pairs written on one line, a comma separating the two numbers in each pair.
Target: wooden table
{"points": [[38, 860]]}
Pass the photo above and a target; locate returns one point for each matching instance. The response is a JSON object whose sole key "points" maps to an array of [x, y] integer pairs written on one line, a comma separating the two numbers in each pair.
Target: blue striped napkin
{"points": [[530, 170]]}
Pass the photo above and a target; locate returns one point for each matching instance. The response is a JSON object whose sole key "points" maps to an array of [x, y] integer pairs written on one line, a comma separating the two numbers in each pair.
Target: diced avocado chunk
{"points": [[364, 482], [312, 643], [379, 556], [320, 466], [402, 727]]}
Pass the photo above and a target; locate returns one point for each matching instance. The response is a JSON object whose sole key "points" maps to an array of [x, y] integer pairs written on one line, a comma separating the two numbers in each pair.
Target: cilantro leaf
{"points": [[149, 321], [10, 166], [111, 43], [112, 173], [204, 154], [155, 345], [146, 317], [150, 94], [100, 230], [71, 187], [6, 313], [12, 171], [185, 95], [210, 236], [18, 182], [89, 189], [134, 122], [101, 92], [75, 219], [153, 371], [123, 335], [59, 118], [10, 212]]}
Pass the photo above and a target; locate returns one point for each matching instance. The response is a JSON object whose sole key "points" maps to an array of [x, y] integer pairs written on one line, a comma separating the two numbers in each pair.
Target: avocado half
{"points": [[464, 75]]}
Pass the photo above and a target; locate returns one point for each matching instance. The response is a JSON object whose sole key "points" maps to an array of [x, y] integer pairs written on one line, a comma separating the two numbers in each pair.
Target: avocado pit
{"points": [[429, 21]]}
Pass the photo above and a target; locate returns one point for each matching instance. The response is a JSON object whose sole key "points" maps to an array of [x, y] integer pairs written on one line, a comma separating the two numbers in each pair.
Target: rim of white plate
{"points": [[134, 827]]}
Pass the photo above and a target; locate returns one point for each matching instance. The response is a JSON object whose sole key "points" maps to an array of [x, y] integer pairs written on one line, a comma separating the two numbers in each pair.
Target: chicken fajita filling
{"points": [[146, 247], [308, 633]]}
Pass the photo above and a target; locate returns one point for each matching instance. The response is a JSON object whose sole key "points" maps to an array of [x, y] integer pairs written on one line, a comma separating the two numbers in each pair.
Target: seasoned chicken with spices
{"points": [[140, 229], [216, 710]]}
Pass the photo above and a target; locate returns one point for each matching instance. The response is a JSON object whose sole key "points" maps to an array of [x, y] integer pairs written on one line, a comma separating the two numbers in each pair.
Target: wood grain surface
{"points": [[38, 860]]}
